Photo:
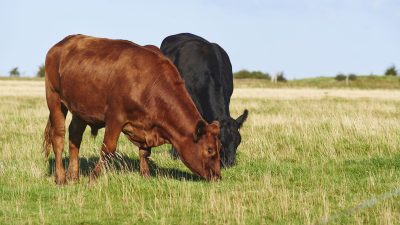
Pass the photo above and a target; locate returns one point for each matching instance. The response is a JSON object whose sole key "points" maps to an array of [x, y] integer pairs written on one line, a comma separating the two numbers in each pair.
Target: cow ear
{"points": [[215, 127], [200, 130], [240, 120]]}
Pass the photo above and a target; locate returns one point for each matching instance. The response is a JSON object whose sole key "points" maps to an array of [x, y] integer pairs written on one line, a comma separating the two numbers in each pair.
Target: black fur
{"points": [[207, 72]]}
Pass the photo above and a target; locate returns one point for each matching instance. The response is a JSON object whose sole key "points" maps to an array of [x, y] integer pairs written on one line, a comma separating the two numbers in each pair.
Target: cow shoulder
{"points": [[225, 70]]}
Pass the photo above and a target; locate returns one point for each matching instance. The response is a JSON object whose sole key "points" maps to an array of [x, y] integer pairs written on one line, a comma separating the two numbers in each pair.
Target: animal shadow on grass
{"points": [[123, 163]]}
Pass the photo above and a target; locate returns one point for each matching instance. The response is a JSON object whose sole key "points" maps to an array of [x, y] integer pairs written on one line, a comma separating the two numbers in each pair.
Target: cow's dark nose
{"points": [[227, 163]]}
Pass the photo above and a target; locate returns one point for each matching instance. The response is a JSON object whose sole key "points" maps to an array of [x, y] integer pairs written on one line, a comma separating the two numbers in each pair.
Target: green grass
{"points": [[301, 161], [362, 82]]}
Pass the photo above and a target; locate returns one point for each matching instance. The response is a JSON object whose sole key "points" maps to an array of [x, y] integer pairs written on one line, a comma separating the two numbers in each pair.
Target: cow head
{"points": [[204, 159], [230, 138]]}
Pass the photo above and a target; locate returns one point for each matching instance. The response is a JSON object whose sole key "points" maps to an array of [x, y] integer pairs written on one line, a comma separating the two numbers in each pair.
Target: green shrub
{"points": [[391, 71], [41, 71], [14, 72], [251, 74], [352, 77], [280, 77], [340, 77]]}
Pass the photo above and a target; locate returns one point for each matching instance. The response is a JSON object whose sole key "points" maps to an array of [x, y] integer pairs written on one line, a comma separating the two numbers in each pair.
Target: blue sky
{"points": [[303, 38]]}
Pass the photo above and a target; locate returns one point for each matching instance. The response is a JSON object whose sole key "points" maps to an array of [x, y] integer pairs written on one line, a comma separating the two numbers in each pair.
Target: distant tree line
{"points": [[242, 74], [391, 71], [280, 77], [341, 77], [245, 74]]}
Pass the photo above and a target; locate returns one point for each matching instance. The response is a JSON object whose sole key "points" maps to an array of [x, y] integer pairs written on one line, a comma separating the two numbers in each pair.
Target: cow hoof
{"points": [[61, 180], [73, 179], [92, 178], [145, 174]]}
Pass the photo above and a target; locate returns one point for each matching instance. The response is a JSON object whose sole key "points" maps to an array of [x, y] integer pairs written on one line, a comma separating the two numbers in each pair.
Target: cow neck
{"points": [[216, 108], [181, 116], [225, 118]]}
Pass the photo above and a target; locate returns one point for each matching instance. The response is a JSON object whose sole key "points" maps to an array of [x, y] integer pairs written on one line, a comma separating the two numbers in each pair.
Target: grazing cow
{"points": [[152, 48], [207, 72], [125, 88]]}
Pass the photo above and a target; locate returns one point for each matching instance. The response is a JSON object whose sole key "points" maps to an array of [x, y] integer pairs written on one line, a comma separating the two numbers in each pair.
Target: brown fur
{"points": [[126, 88], [152, 48], [47, 139]]}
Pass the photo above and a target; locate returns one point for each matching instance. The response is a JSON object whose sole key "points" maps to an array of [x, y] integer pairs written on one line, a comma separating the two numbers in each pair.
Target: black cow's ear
{"points": [[240, 120], [200, 130]]}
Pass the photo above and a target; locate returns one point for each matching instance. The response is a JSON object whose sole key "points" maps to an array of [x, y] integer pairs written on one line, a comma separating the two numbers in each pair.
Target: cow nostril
{"points": [[223, 164], [227, 163], [213, 176], [217, 177]]}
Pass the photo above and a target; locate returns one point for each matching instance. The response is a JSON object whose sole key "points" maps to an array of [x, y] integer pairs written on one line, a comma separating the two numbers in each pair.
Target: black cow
{"points": [[207, 72]]}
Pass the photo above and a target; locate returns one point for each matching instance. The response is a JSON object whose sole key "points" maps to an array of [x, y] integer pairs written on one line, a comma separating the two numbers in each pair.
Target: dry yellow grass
{"points": [[34, 88], [306, 157], [22, 88], [312, 93]]}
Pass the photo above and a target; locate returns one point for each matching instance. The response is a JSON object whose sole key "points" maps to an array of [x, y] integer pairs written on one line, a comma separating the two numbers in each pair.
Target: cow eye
{"points": [[210, 150]]}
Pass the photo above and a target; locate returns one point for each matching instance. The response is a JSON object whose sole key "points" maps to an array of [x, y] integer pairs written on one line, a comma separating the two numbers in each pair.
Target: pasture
{"points": [[308, 156]]}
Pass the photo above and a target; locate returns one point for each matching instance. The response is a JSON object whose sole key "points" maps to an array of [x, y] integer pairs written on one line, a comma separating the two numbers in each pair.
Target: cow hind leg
{"points": [[111, 135], [144, 154], [76, 129], [58, 112]]}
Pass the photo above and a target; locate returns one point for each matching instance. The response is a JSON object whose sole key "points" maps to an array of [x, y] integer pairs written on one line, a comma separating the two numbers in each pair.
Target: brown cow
{"points": [[152, 48], [126, 88]]}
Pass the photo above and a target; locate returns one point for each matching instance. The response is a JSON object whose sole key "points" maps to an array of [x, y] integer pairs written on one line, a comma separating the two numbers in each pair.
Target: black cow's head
{"points": [[230, 138]]}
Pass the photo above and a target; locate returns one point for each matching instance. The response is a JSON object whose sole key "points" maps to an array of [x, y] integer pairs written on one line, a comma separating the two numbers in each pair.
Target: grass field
{"points": [[308, 156], [362, 82]]}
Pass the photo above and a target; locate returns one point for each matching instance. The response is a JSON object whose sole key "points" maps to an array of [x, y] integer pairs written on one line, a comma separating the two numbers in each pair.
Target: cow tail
{"points": [[48, 134]]}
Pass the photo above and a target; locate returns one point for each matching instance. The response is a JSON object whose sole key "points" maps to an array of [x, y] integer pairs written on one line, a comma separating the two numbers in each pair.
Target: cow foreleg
{"points": [[108, 148], [144, 154], [76, 129]]}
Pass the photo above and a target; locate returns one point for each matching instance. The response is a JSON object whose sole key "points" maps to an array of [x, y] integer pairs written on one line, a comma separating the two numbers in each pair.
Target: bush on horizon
{"points": [[242, 74], [41, 71], [391, 71]]}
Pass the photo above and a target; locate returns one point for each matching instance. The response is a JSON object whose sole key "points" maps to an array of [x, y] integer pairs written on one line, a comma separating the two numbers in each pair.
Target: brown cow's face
{"points": [[204, 159]]}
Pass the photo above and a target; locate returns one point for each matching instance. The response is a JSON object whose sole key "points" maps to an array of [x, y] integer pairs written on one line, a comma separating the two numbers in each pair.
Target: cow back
{"points": [[207, 72]]}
